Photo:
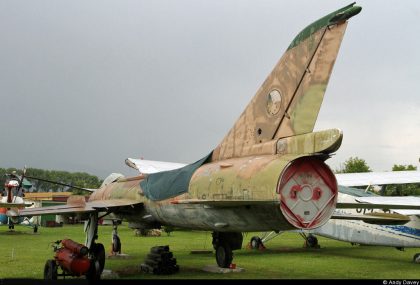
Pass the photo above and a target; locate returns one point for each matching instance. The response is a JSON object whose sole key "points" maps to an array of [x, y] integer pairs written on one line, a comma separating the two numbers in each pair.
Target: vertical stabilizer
{"points": [[289, 100]]}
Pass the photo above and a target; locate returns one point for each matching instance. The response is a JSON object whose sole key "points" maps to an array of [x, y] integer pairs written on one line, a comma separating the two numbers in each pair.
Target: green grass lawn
{"points": [[23, 255]]}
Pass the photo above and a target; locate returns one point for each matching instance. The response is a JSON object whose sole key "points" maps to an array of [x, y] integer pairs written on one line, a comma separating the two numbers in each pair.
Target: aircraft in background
{"points": [[402, 236], [268, 173], [371, 179], [12, 200]]}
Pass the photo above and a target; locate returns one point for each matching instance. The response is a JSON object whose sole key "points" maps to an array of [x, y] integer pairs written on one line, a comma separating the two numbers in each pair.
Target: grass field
{"points": [[23, 255]]}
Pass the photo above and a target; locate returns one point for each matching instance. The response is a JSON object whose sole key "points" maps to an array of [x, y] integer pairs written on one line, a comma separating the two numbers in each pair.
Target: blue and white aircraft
{"points": [[405, 235]]}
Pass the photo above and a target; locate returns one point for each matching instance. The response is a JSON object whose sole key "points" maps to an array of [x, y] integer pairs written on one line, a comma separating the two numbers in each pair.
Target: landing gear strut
{"points": [[224, 243], [116, 243], [10, 223]]}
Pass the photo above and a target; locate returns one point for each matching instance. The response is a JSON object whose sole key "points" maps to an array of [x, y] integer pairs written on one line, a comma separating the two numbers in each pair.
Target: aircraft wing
{"points": [[150, 166], [411, 203], [375, 218], [378, 178], [87, 207]]}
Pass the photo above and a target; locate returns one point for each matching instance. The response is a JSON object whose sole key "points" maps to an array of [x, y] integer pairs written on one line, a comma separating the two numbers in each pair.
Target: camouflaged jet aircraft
{"points": [[268, 173]]}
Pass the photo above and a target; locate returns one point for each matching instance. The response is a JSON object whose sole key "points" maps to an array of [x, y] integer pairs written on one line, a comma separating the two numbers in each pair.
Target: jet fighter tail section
{"points": [[288, 102]]}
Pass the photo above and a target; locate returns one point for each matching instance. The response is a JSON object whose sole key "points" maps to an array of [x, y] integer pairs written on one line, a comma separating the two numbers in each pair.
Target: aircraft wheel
{"points": [[416, 258], [224, 255], [256, 242], [312, 241], [35, 229], [99, 253], [50, 270], [94, 272]]}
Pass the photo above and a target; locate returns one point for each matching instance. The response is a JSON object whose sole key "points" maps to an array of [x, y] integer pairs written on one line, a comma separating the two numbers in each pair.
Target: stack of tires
{"points": [[160, 261]]}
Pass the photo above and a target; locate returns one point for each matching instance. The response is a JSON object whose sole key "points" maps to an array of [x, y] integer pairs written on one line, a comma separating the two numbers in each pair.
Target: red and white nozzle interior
{"points": [[308, 193]]}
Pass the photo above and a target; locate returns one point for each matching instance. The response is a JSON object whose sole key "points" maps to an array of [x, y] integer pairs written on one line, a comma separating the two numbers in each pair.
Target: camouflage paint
{"points": [[125, 188], [300, 77]]}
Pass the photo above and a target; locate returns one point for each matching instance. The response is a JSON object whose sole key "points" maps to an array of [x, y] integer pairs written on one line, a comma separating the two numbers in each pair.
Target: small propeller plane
{"points": [[13, 200], [359, 232], [268, 173]]}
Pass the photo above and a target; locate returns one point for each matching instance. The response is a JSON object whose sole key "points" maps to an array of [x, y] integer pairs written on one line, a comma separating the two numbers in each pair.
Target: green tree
{"points": [[353, 165], [80, 179], [402, 189], [398, 167]]}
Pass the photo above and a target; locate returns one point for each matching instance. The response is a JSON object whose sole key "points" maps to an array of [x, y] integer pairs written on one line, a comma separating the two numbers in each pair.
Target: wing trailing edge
{"points": [[87, 207]]}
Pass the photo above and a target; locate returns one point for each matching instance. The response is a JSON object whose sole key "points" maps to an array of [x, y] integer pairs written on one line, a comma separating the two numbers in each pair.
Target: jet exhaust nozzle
{"points": [[308, 192]]}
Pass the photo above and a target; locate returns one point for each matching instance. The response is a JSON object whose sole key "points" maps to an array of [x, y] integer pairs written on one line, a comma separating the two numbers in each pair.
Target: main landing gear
{"points": [[224, 243], [116, 243], [257, 242], [311, 241]]}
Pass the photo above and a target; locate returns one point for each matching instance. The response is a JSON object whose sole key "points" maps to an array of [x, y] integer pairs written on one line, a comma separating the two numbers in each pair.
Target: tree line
{"points": [[80, 179]]}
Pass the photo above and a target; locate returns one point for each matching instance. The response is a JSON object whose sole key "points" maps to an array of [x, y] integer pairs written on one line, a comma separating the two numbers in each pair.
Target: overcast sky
{"points": [[86, 84]]}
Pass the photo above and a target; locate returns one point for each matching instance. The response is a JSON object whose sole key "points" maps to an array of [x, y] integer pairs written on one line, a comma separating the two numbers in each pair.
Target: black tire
{"points": [[312, 241], [116, 244], [416, 258], [94, 272], [50, 270], [224, 255], [256, 242], [99, 253], [35, 229]]}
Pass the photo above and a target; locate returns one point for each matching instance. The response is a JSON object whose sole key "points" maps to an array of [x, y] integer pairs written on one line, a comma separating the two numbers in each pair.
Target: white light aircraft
{"points": [[367, 233]]}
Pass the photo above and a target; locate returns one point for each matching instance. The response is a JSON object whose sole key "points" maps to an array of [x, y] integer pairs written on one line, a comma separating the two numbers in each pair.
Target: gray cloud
{"points": [[86, 84]]}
